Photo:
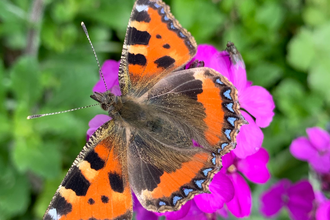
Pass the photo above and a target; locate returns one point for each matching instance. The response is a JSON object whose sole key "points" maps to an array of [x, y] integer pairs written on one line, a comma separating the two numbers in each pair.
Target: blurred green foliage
{"points": [[47, 66]]}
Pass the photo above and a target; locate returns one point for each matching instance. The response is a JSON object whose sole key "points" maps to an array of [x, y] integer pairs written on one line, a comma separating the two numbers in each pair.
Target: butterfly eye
{"points": [[104, 107]]}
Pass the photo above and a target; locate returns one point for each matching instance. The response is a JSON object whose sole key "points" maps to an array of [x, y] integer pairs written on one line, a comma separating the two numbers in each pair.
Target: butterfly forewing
{"points": [[155, 45], [96, 186]]}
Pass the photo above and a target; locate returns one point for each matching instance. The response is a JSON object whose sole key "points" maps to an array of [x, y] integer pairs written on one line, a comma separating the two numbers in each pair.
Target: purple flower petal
{"points": [[249, 139], [110, 70], [301, 197], [320, 163], [302, 149], [272, 199], [227, 161], [181, 213], [259, 103], [240, 206], [222, 191], [205, 53], [223, 212], [319, 138], [194, 213], [254, 167], [323, 211], [96, 122]]}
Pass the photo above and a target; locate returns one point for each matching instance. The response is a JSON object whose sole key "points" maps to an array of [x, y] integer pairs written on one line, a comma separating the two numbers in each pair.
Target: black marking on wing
{"points": [[91, 201], [135, 36], [116, 182], [166, 46], [95, 161], [61, 205], [77, 182], [140, 16], [164, 62], [104, 199], [136, 59], [158, 36]]}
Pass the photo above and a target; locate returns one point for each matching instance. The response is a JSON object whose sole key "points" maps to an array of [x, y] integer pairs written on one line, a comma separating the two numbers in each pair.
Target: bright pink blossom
{"points": [[315, 149], [298, 198], [323, 207]]}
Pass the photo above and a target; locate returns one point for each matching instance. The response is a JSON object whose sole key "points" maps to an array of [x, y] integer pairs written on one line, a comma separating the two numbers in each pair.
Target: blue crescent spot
{"points": [[199, 183], [162, 11], [229, 106], [227, 133], [219, 81], [161, 203], [219, 150], [232, 120], [213, 161], [187, 191], [181, 34], [172, 26], [227, 94], [176, 199], [156, 5], [206, 171], [224, 145], [166, 18]]}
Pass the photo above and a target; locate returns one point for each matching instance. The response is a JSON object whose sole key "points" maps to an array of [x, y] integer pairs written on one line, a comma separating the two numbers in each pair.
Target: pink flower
{"points": [[256, 100], [323, 207], [229, 179], [315, 149], [297, 198]]}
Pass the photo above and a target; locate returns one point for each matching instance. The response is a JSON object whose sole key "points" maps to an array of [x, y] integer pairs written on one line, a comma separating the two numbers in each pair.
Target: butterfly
{"points": [[147, 148]]}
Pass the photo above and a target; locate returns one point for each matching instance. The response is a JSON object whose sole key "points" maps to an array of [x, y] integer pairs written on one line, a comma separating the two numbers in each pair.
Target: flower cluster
{"points": [[229, 189], [300, 199]]}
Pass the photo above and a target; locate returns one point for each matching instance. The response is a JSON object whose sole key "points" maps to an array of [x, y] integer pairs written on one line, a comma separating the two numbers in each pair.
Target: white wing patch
{"points": [[140, 8]]}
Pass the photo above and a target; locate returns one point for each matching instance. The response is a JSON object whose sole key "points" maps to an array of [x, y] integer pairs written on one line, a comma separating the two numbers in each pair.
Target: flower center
{"points": [[285, 198], [232, 169]]}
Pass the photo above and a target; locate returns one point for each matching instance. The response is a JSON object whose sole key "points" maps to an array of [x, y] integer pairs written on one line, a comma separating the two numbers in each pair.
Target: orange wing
{"points": [[155, 44], [96, 186]]}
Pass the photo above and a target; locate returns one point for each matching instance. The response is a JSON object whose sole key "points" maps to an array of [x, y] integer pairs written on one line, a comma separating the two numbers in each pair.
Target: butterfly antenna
{"points": [[56, 113], [97, 60]]}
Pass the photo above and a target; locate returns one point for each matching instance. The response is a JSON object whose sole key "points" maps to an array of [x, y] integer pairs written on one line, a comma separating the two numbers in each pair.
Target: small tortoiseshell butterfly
{"points": [[147, 147]]}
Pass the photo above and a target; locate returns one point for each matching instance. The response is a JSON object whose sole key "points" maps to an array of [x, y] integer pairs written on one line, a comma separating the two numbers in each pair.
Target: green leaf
{"points": [[40, 158], [314, 16], [25, 80], [195, 22], [319, 78], [265, 74], [14, 196], [270, 15], [301, 50]]}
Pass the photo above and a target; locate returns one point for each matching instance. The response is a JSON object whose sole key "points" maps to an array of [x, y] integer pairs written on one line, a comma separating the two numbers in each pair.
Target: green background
{"points": [[47, 66]]}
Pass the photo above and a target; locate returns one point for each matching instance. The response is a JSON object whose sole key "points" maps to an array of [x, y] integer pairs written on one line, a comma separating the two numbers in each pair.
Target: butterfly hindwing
{"points": [[212, 110], [155, 44], [96, 186], [167, 186]]}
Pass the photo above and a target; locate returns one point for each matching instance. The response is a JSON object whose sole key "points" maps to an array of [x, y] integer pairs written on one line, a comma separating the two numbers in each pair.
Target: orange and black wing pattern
{"points": [[165, 177], [96, 186], [155, 45], [211, 110]]}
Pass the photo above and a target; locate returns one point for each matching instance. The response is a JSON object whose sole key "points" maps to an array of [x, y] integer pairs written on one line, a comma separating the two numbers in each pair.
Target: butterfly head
{"points": [[109, 102]]}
